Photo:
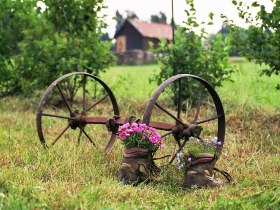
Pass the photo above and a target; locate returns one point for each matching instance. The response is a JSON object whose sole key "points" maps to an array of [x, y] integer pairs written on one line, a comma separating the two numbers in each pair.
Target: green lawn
{"points": [[131, 81], [70, 177], [247, 86]]}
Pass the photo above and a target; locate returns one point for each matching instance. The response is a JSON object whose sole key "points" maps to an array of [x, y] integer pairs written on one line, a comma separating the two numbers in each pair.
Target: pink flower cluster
{"points": [[126, 131]]}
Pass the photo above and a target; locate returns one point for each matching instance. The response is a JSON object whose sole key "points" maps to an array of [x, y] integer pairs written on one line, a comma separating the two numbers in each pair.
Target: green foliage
{"points": [[260, 42], [191, 55], [195, 148], [160, 18], [13, 21], [65, 38]]}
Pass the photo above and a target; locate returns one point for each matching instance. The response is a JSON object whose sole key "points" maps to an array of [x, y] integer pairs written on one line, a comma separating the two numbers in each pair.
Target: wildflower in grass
{"points": [[179, 154], [216, 142], [179, 160], [180, 167]]}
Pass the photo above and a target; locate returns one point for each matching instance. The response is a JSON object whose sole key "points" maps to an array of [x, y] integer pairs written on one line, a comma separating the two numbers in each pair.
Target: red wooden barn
{"points": [[132, 40]]}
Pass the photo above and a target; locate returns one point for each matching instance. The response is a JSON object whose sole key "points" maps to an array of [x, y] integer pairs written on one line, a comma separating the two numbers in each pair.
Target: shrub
{"points": [[190, 54]]}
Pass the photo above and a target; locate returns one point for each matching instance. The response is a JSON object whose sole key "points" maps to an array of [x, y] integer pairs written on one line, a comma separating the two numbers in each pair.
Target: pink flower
{"points": [[152, 129], [134, 125], [124, 127], [137, 130], [128, 132], [122, 136], [143, 127], [152, 139]]}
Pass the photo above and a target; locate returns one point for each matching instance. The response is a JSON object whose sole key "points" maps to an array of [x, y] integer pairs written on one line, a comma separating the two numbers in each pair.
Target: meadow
{"points": [[71, 177]]}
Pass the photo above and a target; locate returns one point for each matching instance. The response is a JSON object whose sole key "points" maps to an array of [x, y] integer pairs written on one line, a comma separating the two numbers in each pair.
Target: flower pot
{"points": [[200, 171], [137, 166]]}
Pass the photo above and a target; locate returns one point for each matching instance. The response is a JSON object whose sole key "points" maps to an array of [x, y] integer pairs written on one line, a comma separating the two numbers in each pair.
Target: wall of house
{"points": [[134, 40], [146, 41]]}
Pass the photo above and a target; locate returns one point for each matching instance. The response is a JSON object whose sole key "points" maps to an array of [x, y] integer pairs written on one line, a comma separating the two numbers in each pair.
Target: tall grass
{"points": [[70, 177]]}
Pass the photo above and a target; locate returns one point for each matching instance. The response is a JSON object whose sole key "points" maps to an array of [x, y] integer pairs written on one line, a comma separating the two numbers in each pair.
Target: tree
{"points": [[66, 39], [189, 55], [120, 18], [225, 32], [105, 37], [15, 18], [131, 14], [160, 18], [260, 42]]}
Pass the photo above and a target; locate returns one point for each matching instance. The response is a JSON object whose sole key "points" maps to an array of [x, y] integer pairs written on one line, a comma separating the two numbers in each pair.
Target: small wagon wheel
{"points": [[58, 106], [176, 115]]}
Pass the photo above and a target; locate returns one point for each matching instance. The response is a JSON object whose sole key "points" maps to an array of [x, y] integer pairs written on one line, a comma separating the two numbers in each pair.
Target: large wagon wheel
{"points": [[62, 112], [176, 115]]}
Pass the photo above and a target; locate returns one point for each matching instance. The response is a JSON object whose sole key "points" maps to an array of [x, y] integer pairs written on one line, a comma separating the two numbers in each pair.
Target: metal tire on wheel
{"points": [[219, 117], [73, 116]]}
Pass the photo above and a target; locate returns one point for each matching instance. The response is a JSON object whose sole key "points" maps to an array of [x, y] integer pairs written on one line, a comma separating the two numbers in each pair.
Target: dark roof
{"points": [[151, 30]]}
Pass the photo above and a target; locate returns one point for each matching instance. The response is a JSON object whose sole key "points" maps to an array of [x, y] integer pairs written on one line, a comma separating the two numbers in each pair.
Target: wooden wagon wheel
{"points": [[71, 111], [176, 116]]}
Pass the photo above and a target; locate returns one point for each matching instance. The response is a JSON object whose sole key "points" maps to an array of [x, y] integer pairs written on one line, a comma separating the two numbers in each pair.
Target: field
{"points": [[70, 177]]}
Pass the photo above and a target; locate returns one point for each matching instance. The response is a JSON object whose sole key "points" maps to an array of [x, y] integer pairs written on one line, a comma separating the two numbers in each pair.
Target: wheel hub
{"points": [[78, 121]]}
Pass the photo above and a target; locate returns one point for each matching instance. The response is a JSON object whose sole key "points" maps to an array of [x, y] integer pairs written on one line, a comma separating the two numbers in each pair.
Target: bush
{"points": [[260, 42], [64, 38], [191, 55]]}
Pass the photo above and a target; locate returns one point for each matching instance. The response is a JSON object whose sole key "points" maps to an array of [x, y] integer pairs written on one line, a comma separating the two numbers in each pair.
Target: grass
{"points": [[249, 88], [131, 81], [70, 177]]}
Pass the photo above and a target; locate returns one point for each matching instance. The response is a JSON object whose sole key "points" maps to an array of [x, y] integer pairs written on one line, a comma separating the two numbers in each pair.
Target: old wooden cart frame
{"points": [[79, 119]]}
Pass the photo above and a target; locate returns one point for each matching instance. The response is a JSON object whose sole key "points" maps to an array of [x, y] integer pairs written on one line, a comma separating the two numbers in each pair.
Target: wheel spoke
{"points": [[89, 138], [63, 97], [79, 137], [58, 116], [58, 137], [179, 100], [102, 99], [198, 105], [180, 148], [208, 120], [166, 134], [110, 143], [84, 93], [167, 112]]}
